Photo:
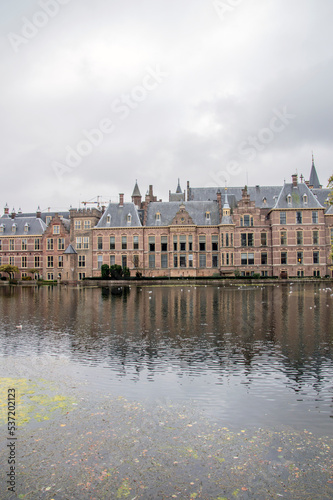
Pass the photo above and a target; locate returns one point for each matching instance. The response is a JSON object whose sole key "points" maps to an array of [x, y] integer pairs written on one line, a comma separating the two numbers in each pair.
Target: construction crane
{"points": [[99, 202]]}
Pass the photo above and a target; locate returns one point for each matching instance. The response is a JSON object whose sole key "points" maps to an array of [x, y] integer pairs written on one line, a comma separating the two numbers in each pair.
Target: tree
{"points": [[7, 268], [33, 270], [105, 271], [330, 185], [116, 272]]}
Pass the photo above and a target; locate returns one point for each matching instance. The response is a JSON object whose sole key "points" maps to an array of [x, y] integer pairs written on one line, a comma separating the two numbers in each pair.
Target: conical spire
{"points": [[136, 190], [314, 180], [226, 203], [179, 189]]}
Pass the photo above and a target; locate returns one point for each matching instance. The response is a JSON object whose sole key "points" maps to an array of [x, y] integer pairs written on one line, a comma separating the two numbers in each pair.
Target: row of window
{"points": [[85, 224], [23, 244], [299, 237], [299, 217], [300, 258], [23, 261]]}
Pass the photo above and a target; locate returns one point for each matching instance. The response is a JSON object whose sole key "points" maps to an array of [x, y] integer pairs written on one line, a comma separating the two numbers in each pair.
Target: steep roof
{"points": [[314, 179], [118, 216], [136, 190], [70, 250], [34, 226], [263, 196], [299, 196], [196, 210], [322, 196]]}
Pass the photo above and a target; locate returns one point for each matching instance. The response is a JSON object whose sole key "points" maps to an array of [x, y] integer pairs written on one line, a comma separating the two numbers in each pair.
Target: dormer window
{"points": [[305, 199], [2, 228], [129, 218], [264, 200], [26, 227], [289, 199], [207, 217], [108, 219], [158, 217], [14, 226]]}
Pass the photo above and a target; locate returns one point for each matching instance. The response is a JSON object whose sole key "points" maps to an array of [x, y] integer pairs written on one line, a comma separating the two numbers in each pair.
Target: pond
{"points": [[243, 358]]}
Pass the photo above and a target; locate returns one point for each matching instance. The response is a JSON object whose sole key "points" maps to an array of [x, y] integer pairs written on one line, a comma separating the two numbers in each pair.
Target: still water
{"points": [[245, 356]]}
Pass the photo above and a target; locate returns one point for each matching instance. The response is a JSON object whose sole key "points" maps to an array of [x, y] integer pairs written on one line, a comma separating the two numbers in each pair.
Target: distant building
{"points": [[284, 231]]}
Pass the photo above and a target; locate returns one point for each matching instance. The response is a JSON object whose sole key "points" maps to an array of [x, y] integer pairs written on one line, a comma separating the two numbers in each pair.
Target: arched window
{"points": [[108, 219], [289, 199], [129, 218]]}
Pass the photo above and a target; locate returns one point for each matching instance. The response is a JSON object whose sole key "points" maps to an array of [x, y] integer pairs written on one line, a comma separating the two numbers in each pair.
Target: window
{"points": [[227, 259], [11, 261], [247, 221], [331, 235], [315, 217], [108, 219], [175, 244], [316, 257], [182, 243], [37, 244], [299, 218], [190, 261], [0, 244], [2, 228], [244, 259], [300, 257], [112, 260], [86, 242], [124, 261], [56, 229], [99, 261], [49, 244], [190, 243], [78, 243], [215, 243], [300, 273], [37, 262], [316, 273], [11, 244], [26, 227], [50, 276], [87, 224], [151, 261], [124, 242], [14, 228], [299, 237], [82, 261], [164, 244], [112, 242], [24, 261], [305, 199], [283, 258], [61, 261], [82, 276], [222, 240], [182, 261], [77, 224], [151, 242], [263, 239], [164, 261], [48, 219], [202, 244], [136, 260], [283, 218], [202, 260], [136, 242], [99, 243], [50, 261], [158, 217], [247, 239], [207, 217], [315, 237], [289, 199], [24, 244], [227, 239], [61, 243], [129, 218], [283, 237], [175, 261], [264, 258]]}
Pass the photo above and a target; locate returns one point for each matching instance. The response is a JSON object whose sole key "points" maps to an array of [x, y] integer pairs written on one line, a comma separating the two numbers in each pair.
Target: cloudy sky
{"points": [[96, 94]]}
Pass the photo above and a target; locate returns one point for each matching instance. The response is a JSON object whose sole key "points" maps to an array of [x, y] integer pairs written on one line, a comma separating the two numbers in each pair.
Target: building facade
{"points": [[284, 231]]}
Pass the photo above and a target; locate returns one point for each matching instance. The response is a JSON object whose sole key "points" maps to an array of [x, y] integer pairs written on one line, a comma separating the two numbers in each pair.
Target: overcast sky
{"points": [[96, 94]]}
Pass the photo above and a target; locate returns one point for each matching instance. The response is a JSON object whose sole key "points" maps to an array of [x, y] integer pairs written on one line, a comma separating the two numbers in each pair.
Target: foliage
{"points": [[116, 272], [105, 271], [33, 270], [7, 268], [26, 278], [237, 273], [126, 272], [138, 275]]}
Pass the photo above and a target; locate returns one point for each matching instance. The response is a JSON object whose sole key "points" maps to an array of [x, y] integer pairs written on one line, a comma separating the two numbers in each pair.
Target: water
{"points": [[245, 356]]}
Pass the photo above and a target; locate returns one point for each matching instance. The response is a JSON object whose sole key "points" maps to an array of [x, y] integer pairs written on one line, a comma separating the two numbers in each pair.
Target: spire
{"points": [[314, 180], [179, 189], [226, 203], [136, 190]]}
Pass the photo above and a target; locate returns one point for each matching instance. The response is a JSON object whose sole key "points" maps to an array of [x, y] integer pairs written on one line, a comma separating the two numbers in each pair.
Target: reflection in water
{"points": [[267, 349]]}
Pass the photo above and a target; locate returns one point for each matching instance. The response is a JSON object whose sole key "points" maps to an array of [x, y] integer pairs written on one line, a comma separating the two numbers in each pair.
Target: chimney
{"points": [[38, 213], [13, 213], [121, 199], [219, 202], [307, 183], [294, 178], [6, 210]]}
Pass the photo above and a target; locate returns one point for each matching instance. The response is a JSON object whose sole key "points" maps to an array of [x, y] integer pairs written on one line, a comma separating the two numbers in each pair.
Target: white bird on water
{"points": [[19, 327]]}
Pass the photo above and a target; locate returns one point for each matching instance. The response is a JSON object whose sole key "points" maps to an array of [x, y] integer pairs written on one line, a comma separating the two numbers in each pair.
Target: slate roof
{"points": [[196, 209], [35, 226], [43, 215], [119, 216], [322, 196], [314, 179], [329, 211], [70, 250], [258, 194], [136, 190], [297, 200]]}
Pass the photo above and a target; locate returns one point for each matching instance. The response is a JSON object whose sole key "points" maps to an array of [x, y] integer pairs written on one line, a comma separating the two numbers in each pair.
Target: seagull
{"points": [[19, 327]]}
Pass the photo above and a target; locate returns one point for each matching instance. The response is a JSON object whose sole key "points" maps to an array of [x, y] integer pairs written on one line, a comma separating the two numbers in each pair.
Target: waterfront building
{"points": [[284, 231]]}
